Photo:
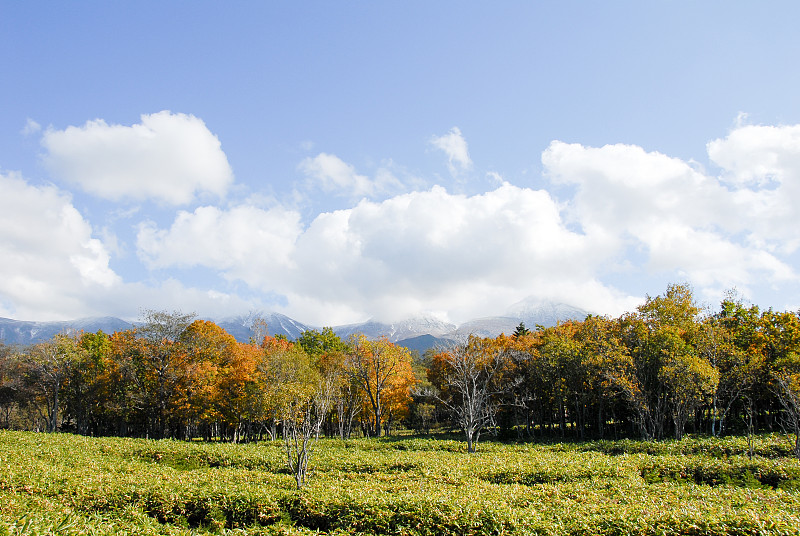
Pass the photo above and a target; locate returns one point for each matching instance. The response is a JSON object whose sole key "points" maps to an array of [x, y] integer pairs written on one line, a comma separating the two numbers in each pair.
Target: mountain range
{"points": [[417, 333]]}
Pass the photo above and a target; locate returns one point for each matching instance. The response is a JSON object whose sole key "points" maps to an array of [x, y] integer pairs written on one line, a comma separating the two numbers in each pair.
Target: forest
{"points": [[662, 371]]}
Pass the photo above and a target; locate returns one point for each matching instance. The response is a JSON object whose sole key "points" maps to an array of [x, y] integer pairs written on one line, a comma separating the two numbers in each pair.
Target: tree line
{"points": [[175, 376], [658, 372], [661, 371]]}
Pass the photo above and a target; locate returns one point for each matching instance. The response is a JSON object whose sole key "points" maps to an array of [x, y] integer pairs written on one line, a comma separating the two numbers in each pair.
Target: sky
{"points": [[341, 161]]}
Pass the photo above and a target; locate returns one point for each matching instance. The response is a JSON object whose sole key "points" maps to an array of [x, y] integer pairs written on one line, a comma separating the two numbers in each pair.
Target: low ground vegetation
{"points": [[68, 484]]}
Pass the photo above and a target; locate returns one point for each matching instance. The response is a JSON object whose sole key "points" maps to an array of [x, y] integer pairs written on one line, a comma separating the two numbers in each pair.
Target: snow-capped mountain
{"points": [[530, 311], [490, 326], [535, 312], [241, 327], [406, 329], [25, 332]]}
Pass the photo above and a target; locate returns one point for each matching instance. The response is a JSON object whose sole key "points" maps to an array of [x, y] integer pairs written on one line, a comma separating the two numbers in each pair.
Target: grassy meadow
{"points": [[66, 484]]}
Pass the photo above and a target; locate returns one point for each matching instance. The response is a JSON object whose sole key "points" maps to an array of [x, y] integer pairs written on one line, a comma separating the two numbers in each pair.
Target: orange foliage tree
{"points": [[383, 372]]}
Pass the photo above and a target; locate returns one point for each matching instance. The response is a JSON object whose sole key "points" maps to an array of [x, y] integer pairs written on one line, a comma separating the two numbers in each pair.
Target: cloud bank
{"points": [[629, 212]]}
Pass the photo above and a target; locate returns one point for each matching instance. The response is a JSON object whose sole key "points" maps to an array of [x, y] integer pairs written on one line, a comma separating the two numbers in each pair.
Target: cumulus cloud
{"points": [[428, 250], [51, 260], [166, 157], [691, 225], [245, 242], [434, 250], [455, 147], [761, 167]]}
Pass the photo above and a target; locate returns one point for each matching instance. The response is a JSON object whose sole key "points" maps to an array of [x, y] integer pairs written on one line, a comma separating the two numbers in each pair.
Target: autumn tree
{"points": [[347, 399], [688, 378], [658, 332], [566, 373], [157, 363], [527, 384], [208, 351], [383, 371], [468, 376], [240, 391], [48, 365]]}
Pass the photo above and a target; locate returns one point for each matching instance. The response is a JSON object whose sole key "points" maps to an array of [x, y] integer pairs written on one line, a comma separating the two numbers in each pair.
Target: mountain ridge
{"points": [[416, 330]]}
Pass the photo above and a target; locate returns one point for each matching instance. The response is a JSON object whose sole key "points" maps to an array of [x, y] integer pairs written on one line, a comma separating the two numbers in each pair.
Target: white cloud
{"points": [[455, 147], [419, 251], [245, 242], [333, 175], [51, 263], [432, 250], [691, 225], [758, 155], [761, 167], [437, 251], [167, 157]]}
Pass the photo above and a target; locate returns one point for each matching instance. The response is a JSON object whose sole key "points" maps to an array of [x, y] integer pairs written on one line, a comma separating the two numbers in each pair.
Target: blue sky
{"points": [[341, 161]]}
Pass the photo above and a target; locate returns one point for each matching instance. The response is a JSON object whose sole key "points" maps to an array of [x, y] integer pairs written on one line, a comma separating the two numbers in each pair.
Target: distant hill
{"points": [[422, 343]]}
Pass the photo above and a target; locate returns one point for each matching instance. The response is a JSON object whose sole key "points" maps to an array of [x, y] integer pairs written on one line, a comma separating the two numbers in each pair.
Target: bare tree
{"points": [[469, 376]]}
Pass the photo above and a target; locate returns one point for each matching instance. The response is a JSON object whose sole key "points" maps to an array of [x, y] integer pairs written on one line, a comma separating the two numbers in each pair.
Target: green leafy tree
{"points": [[784, 349], [10, 384], [521, 330], [300, 396], [660, 340], [316, 343]]}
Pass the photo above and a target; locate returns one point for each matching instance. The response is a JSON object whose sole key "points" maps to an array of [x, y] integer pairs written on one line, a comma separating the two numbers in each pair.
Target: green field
{"points": [[65, 484]]}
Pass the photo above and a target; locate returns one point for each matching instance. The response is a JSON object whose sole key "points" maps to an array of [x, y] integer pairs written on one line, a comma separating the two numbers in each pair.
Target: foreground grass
{"points": [[63, 484]]}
